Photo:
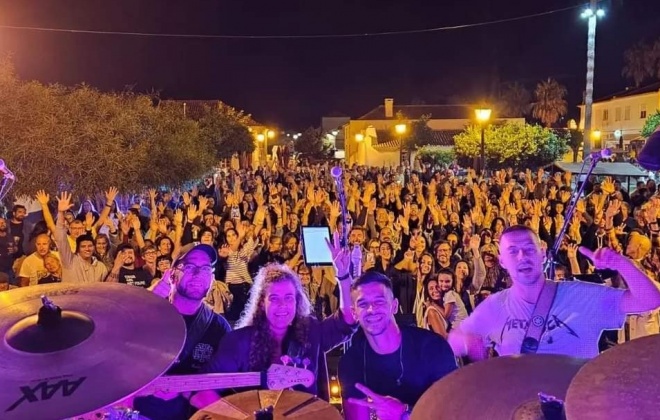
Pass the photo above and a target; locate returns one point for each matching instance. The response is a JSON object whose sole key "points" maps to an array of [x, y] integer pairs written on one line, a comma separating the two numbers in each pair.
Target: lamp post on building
{"points": [[483, 116], [262, 138], [359, 139], [596, 139], [618, 134], [400, 131]]}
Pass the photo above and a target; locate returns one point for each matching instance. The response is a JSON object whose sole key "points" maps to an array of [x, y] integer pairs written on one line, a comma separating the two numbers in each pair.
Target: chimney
{"points": [[389, 108]]}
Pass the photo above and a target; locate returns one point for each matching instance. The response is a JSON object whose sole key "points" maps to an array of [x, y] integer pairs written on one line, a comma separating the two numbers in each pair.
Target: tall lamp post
{"points": [[262, 138], [592, 13], [400, 131], [483, 116]]}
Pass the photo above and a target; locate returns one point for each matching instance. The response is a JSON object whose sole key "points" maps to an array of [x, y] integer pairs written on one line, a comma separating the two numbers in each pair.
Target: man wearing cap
{"points": [[186, 285]]}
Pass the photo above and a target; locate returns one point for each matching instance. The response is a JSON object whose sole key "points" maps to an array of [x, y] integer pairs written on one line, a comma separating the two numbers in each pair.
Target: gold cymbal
{"points": [[621, 383], [112, 340], [286, 405], [503, 388]]}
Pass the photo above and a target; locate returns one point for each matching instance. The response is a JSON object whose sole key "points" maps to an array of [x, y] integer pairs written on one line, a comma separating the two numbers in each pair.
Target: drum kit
{"points": [[70, 349], [621, 383]]}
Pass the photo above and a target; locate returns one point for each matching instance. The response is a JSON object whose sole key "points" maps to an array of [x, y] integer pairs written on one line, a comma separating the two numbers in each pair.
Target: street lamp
{"points": [[619, 136], [483, 116], [592, 14], [401, 129], [596, 138], [359, 137]]}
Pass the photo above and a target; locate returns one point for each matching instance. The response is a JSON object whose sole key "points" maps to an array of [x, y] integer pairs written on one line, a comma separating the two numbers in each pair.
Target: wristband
{"points": [[344, 277]]}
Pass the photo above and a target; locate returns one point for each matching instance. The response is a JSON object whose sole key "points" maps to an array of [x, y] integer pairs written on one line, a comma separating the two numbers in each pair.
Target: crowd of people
{"points": [[435, 234]]}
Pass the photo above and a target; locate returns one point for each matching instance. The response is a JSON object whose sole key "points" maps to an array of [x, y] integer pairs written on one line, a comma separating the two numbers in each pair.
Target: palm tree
{"points": [[515, 100], [641, 62], [550, 104]]}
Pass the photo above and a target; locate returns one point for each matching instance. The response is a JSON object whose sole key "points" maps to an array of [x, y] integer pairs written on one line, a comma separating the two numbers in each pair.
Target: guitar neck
{"points": [[191, 383]]}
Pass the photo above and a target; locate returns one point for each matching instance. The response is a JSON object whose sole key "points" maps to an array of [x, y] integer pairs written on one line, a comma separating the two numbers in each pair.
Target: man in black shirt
{"points": [[187, 284], [17, 228], [124, 270], [388, 368]]}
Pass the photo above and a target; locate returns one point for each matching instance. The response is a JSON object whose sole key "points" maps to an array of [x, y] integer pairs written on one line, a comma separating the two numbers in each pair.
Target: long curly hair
{"points": [[263, 343]]}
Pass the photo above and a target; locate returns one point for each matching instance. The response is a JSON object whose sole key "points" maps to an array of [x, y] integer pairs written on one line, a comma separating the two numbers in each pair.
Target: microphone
{"points": [[649, 156], [6, 173], [601, 154], [336, 172]]}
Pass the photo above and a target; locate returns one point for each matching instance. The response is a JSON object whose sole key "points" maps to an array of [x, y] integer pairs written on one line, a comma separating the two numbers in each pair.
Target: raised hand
{"points": [[111, 194], [572, 250], [341, 257], [603, 258], [64, 202], [42, 197]]}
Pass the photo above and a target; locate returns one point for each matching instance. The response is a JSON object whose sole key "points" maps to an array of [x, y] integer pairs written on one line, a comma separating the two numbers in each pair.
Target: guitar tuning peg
{"points": [[285, 360], [306, 362]]}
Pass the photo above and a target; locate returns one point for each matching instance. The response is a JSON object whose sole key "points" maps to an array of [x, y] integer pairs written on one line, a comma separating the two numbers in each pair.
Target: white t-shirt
{"points": [[579, 314], [459, 313], [33, 267]]}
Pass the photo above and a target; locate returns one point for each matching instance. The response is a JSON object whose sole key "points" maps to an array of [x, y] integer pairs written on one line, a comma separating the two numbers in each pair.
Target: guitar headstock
{"points": [[282, 377]]}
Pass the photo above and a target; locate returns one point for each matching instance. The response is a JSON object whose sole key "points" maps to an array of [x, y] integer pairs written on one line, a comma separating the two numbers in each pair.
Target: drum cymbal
{"points": [[621, 383], [286, 405], [503, 388], [112, 340]]}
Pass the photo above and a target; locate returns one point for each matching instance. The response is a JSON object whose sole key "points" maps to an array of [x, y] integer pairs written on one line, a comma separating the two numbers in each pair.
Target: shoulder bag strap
{"points": [[539, 318]]}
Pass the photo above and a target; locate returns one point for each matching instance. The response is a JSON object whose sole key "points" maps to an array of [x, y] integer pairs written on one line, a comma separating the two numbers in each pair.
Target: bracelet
{"points": [[344, 277], [108, 205]]}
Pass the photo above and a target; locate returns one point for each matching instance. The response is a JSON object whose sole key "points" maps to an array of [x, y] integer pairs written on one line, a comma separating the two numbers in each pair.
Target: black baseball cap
{"points": [[197, 247]]}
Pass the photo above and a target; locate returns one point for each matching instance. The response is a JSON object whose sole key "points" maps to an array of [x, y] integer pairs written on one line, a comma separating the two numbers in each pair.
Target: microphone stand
{"points": [[554, 251]]}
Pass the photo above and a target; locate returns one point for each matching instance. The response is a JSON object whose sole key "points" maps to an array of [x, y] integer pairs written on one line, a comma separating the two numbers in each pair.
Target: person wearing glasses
{"points": [[186, 285], [577, 316]]}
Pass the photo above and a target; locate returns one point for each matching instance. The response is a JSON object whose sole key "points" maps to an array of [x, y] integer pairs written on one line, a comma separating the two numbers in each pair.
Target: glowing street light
{"points": [[359, 137], [401, 128], [483, 116], [261, 137], [271, 134]]}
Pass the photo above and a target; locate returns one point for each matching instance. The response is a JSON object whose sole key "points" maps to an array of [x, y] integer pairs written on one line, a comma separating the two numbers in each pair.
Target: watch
{"points": [[344, 277]]}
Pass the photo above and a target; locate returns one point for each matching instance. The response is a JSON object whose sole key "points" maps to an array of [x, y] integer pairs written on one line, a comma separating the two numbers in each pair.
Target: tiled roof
{"points": [[388, 141], [414, 112], [654, 87]]}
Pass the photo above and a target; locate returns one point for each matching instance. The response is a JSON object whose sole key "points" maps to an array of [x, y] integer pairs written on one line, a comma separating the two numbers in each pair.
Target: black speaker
{"points": [[649, 156]]}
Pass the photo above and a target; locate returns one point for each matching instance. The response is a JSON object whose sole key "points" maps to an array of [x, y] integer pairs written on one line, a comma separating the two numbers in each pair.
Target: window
{"points": [[626, 113], [617, 114], [606, 114], [642, 111]]}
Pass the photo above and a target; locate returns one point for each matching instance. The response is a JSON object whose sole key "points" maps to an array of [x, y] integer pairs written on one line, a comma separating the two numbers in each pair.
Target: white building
{"points": [[623, 111]]}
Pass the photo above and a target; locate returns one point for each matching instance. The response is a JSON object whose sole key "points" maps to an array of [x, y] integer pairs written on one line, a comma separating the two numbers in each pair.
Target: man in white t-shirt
{"points": [[579, 313]]}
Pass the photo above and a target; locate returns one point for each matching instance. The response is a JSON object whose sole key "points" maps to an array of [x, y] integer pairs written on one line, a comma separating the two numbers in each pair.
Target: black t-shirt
{"points": [[16, 231], [6, 258], [179, 408], [138, 277], [425, 356]]}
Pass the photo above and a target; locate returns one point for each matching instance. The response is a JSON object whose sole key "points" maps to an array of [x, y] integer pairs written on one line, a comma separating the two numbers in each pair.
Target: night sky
{"points": [[293, 82]]}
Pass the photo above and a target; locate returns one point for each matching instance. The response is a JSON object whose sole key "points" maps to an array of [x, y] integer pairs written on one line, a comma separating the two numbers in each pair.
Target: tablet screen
{"points": [[315, 248]]}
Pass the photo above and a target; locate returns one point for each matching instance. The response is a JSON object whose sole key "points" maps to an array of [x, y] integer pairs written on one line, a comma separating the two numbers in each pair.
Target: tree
{"points": [[420, 134], [515, 100], [550, 104], [510, 144], [311, 144], [651, 124], [642, 62], [83, 140], [436, 155], [225, 133]]}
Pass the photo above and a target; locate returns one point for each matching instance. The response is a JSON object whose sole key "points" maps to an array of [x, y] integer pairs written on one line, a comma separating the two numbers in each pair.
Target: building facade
{"points": [[623, 114], [373, 139]]}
